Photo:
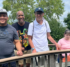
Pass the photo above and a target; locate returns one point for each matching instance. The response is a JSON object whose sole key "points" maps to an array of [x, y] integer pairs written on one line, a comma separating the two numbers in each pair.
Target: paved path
{"points": [[57, 64]]}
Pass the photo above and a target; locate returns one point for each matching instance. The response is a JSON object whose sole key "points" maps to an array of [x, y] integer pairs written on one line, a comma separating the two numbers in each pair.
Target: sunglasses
{"points": [[39, 12]]}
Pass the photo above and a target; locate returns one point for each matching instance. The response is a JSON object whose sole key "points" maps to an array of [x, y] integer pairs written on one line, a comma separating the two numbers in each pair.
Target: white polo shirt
{"points": [[39, 33]]}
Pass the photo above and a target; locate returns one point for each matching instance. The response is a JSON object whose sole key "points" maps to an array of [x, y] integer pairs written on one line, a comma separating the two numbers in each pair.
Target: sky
{"points": [[66, 8], [64, 15]]}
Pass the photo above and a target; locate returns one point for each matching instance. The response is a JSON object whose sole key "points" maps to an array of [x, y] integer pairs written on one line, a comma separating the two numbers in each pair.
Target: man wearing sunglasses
{"points": [[38, 33]]}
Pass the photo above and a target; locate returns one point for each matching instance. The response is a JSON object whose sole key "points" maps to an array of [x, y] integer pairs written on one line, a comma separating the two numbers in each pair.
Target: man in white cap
{"points": [[8, 35]]}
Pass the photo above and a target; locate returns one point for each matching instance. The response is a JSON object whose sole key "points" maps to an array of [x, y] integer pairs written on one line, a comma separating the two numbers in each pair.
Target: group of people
{"points": [[26, 37]]}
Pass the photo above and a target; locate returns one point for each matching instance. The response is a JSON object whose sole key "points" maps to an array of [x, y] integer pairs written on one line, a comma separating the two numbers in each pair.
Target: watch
{"points": [[32, 49]]}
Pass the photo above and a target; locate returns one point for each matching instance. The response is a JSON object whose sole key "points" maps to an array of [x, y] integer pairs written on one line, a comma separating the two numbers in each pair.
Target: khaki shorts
{"points": [[28, 60]]}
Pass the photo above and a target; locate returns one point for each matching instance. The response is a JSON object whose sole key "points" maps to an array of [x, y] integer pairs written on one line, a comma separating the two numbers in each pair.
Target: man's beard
{"points": [[21, 22], [3, 24]]}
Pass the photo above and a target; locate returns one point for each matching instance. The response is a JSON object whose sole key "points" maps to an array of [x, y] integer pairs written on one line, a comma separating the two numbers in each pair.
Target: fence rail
{"points": [[49, 58]]}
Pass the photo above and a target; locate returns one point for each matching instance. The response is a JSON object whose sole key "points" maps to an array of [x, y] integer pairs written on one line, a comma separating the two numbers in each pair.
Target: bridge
{"points": [[50, 58]]}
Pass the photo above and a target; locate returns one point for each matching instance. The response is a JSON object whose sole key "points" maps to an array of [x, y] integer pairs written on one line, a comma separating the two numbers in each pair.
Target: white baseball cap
{"points": [[3, 11]]}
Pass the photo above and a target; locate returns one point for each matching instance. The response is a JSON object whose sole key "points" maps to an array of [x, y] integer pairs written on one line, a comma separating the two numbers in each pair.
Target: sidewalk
{"points": [[56, 65]]}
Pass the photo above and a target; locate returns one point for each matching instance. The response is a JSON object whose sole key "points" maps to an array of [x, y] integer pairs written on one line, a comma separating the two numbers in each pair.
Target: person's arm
{"points": [[31, 44], [30, 34], [52, 40], [19, 47], [17, 42], [60, 44]]}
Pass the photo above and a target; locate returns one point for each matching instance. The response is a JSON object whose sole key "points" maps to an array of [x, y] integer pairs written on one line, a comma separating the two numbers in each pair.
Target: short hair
{"points": [[19, 11], [67, 31]]}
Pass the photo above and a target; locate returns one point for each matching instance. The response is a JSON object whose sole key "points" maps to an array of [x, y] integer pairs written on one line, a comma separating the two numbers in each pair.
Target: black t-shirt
{"points": [[22, 32]]}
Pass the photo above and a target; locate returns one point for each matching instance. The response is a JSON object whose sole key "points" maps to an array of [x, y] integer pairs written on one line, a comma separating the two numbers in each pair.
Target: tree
{"points": [[50, 7], [28, 6], [15, 5], [57, 30], [67, 21]]}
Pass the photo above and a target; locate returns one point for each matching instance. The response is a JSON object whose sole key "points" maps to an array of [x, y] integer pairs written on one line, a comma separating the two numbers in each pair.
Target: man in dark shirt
{"points": [[8, 35], [22, 27]]}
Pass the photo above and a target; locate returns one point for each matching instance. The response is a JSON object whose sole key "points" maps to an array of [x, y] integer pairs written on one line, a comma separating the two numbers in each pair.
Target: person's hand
{"points": [[69, 54], [19, 53], [58, 47], [23, 48], [34, 51]]}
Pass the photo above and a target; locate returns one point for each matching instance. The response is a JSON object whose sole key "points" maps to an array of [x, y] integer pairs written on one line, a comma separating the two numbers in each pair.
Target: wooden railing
{"points": [[49, 58]]}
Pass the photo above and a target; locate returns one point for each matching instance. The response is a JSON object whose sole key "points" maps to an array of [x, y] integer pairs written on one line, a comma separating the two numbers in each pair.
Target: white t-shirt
{"points": [[39, 33]]}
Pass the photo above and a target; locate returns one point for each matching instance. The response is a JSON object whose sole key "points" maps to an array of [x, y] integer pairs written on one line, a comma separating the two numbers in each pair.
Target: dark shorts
{"points": [[12, 64], [59, 59]]}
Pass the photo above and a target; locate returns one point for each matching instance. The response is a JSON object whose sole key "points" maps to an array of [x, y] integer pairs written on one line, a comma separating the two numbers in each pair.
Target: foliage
{"points": [[57, 30], [28, 6], [67, 21], [15, 5]]}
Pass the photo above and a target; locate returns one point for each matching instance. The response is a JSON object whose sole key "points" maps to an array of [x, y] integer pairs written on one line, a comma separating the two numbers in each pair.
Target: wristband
{"points": [[32, 49]]}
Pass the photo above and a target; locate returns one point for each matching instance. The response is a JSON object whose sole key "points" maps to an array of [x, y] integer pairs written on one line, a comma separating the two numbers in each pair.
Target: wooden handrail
{"points": [[51, 44], [34, 54]]}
